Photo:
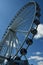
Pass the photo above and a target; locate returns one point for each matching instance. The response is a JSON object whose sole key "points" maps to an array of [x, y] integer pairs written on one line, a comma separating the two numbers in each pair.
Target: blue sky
{"points": [[8, 9]]}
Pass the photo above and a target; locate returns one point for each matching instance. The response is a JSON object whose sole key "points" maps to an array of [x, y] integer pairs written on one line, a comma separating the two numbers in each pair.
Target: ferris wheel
{"points": [[20, 33]]}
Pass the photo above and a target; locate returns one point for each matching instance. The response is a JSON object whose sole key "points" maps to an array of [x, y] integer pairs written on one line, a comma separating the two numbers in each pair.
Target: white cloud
{"points": [[40, 63], [37, 58], [38, 53], [40, 31]]}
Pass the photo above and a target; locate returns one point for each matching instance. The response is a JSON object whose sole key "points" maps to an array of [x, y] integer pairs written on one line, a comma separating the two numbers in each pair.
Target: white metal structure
{"points": [[19, 34]]}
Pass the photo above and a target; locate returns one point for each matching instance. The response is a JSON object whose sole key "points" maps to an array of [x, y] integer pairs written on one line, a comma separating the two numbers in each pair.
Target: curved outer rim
{"points": [[34, 3]]}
